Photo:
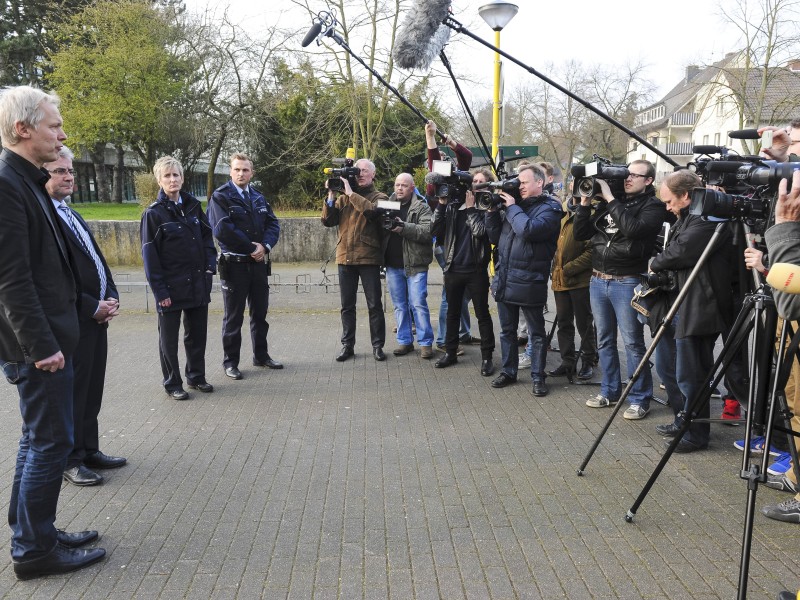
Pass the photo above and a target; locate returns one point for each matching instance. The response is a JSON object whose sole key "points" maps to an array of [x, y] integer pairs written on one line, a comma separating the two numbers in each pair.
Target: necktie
{"points": [[86, 242], [246, 196]]}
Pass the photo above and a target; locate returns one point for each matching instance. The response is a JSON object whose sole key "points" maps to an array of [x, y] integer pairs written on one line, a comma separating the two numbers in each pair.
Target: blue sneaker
{"points": [[781, 464], [757, 446]]}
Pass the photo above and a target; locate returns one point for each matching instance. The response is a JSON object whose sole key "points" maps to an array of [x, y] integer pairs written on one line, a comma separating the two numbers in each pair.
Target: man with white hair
{"points": [[358, 254], [407, 254], [38, 333]]}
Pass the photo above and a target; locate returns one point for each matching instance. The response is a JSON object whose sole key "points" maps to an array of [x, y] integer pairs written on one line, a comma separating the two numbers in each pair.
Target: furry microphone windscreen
{"points": [[422, 36], [434, 179]]}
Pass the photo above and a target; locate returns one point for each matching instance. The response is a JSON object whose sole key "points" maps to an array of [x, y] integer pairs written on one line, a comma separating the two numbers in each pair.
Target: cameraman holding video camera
{"points": [[623, 234], [358, 255], [525, 233], [685, 353]]}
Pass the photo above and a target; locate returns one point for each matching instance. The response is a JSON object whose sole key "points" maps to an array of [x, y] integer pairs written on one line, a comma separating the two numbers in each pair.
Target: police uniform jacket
{"points": [[237, 224], [178, 252]]}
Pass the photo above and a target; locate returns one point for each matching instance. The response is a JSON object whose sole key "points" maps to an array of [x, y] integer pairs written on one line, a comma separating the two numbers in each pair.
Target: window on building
{"points": [[705, 140], [716, 139]]}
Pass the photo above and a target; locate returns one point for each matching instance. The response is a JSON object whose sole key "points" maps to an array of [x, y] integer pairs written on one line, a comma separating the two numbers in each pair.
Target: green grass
{"points": [[95, 211]]}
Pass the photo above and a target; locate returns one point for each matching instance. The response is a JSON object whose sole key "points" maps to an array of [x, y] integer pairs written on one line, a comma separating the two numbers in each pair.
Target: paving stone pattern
{"points": [[389, 480]]}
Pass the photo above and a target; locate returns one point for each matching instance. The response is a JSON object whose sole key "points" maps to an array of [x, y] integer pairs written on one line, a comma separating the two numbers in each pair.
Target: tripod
{"points": [[645, 362]]}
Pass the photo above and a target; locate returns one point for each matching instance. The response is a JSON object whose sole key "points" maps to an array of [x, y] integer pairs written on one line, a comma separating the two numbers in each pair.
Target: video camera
{"points": [[662, 280], [347, 170], [586, 186], [750, 184], [449, 182], [486, 199], [389, 212]]}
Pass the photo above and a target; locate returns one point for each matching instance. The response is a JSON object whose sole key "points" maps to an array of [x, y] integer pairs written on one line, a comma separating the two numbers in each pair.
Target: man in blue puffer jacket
{"points": [[525, 233]]}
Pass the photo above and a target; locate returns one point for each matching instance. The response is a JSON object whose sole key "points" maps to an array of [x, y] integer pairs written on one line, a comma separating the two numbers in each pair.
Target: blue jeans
{"points": [[45, 402], [465, 322], [509, 320], [410, 293], [611, 306]]}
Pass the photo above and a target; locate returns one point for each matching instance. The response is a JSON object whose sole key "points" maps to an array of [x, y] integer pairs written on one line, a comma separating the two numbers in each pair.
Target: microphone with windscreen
{"points": [[784, 277], [422, 36]]}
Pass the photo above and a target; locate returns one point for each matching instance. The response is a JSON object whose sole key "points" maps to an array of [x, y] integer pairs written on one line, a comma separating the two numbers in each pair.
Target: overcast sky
{"points": [[665, 35]]}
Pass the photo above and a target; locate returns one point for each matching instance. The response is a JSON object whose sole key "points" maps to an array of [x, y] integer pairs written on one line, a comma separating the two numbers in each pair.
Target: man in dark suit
{"points": [[246, 230], [99, 304], [38, 333]]}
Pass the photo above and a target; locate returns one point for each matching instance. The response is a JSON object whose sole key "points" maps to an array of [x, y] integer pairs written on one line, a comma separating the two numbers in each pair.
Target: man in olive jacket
{"points": [[359, 256], [572, 269], [408, 253]]}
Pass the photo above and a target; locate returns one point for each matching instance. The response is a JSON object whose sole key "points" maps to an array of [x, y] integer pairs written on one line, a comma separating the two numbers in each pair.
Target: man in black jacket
{"points": [[99, 304], [525, 234], [38, 334], [623, 233], [686, 351], [467, 251]]}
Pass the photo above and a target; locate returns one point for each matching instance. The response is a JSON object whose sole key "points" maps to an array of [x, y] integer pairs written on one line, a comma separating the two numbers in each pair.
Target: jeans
{"points": [[611, 306], [509, 320], [45, 402], [466, 326], [410, 293], [370, 276]]}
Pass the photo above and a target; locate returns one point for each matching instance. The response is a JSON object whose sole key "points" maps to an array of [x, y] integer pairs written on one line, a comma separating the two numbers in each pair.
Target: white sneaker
{"points": [[635, 412], [524, 360], [599, 401]]}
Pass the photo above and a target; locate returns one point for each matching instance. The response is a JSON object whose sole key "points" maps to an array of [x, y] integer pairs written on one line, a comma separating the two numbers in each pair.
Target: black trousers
{"points": [[195, 326], [477, 283], [89, 364], [246, 284], [370, 276], [574, 308]]}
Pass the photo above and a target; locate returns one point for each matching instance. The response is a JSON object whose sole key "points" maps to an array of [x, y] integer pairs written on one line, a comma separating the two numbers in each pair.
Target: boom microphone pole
{"points": [[325, 27], [458, 27]]}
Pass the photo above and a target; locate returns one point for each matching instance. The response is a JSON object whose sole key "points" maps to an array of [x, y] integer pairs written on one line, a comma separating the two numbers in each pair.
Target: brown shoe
{"points": [[403, 350], [425, 352]]}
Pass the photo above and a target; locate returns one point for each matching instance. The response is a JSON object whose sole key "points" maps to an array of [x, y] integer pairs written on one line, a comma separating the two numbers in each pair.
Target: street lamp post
{"points": [[497, 15]]}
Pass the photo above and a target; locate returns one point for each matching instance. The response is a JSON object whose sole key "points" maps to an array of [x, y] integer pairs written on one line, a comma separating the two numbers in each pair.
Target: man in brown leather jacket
{"points": [[359, 255]]}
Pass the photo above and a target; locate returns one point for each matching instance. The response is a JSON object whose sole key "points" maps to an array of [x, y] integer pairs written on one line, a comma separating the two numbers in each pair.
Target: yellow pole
{"points": [[496, 104]]}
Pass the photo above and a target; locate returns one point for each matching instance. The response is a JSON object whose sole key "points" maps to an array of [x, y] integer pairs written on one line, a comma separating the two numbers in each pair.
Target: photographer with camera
{"points": [[525, 234], [685, 353], [623, 234], [466, 253], [463, 162], [407, 254], [358, 255]]}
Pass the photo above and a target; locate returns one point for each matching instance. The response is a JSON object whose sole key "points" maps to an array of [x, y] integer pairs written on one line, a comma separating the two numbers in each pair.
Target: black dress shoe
{"points": [[204, 387], [98, 460], [586, 372], [502, 380], [178, 394], [540, 388], [447, 360], [345, 353], [272, 364], [378, 354], [233, 373], [487, 367], [60, 560], [668, 430], [82, 476], [469, 340], [560, 371], [685, 446], [77, 539]]}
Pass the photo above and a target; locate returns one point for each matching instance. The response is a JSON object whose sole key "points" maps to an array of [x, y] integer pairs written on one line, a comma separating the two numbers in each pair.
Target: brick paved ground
{"points": [[389, 480]]}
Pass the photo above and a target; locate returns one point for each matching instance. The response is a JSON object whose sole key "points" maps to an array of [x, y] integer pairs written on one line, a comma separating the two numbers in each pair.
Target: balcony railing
{"points": [[677, 149], [683, 118]]}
